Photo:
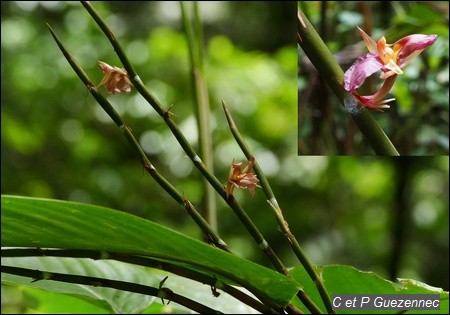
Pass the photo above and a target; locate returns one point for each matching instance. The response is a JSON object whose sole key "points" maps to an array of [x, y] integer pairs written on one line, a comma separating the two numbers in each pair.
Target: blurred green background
{"points": [[418, 121], [57, 142]]}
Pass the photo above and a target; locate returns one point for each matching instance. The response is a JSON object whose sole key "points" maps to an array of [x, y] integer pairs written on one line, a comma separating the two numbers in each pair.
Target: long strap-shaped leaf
{"points": [[45, 223]]}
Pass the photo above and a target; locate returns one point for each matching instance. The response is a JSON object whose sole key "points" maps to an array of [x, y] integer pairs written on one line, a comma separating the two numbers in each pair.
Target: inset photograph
{"points": [[373, 78]]}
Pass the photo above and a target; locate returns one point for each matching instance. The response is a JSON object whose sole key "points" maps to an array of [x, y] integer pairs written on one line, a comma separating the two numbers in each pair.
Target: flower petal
{"points": [[368, 101], [376, 101], [370, 43], [393, 69], [106, 68], [409, 45], [364, 67], [384, 51]]}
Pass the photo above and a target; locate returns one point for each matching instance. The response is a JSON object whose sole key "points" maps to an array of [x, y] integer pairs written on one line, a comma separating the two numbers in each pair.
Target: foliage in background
{"points": [[417, 123], [57, 143]]}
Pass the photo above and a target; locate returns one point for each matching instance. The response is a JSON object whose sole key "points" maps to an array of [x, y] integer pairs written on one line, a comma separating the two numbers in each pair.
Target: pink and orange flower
{"points": [[390, 59], [116, 79], [242, 178]]}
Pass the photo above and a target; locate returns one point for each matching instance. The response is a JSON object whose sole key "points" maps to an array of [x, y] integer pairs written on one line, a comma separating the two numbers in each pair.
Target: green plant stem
{"points": [[218, 186], [151, 170], [201, 105], [331, 72], [146, 262], [163, 293], [272, 201]]}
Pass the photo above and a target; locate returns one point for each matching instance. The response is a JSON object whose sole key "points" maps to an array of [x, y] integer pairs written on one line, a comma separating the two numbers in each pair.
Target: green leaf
{"points": [[45, 223], [45, 302], [349, 280]]}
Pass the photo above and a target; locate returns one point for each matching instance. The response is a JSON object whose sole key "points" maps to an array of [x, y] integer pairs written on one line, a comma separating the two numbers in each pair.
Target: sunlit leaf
{"points": [[30, 222], [349, 280]]}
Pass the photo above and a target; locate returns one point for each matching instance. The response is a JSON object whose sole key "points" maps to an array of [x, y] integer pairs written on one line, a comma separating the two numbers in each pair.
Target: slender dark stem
{"points": [[272, 201], [163, 293], [292, 309], [146, 262], [165, 114], [309, 303], [151, 170]]}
